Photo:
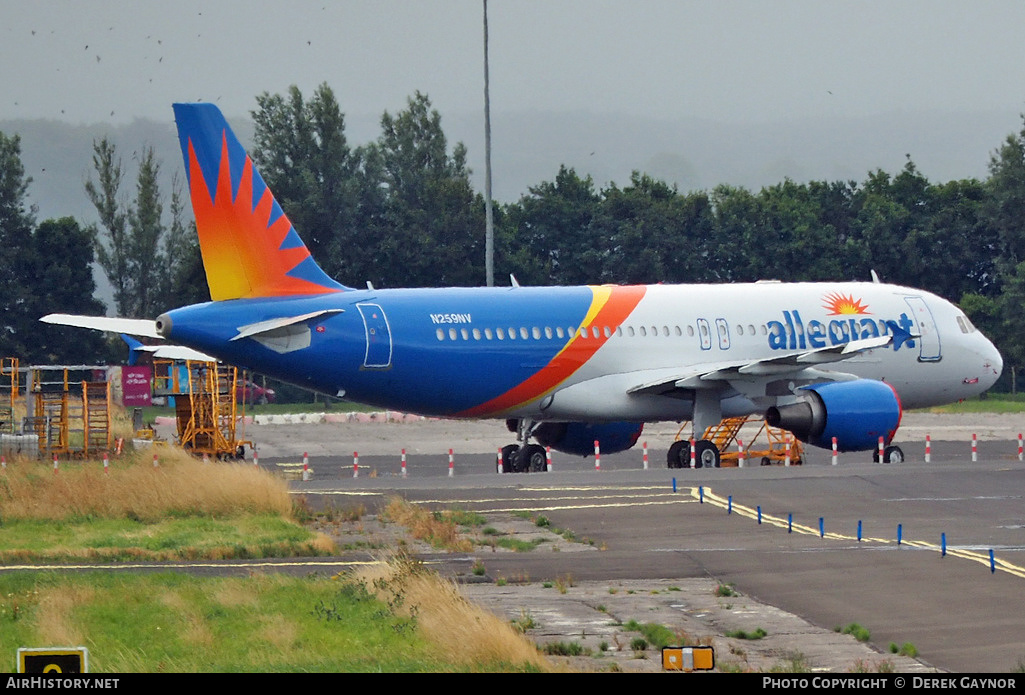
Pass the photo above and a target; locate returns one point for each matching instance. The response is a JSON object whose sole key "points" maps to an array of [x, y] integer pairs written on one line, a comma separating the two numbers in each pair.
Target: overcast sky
{"points": [[739, 61]]}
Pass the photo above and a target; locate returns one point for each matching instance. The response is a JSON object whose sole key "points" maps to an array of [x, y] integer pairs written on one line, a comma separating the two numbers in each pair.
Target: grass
{"points": [[857, 631], [655, 634], [182, 509], [988, 403], [439, 529], [399, 619], [756, 634]]}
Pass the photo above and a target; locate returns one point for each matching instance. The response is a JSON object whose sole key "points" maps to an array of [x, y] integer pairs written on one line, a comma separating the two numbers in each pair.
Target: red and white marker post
{"points": [[786, 451], [645, 458], [693, 453], [928, 448], [741, 456], [451, 464], [975, 447], [355, 464], [548, 459], [597, 456], [306, 466], [834, 451], [882, 448], [404, 463]]}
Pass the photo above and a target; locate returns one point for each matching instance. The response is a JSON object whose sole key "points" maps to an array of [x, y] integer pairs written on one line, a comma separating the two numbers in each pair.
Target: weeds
{"points": [[759, 633], [857, 631]]}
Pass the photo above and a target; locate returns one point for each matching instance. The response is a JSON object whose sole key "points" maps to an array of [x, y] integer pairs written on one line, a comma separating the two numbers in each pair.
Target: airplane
{"points": [[564, 366]]}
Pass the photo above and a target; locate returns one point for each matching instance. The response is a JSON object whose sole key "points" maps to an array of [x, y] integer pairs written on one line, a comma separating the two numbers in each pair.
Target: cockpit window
{"points": [[965, 325]]}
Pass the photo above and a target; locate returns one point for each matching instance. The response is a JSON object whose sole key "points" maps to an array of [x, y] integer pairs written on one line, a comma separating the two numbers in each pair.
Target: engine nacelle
{"points": [[578, 437], [856, 412]]}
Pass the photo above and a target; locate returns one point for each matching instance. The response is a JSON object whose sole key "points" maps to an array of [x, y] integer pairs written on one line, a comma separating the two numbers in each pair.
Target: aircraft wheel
{"points": [[509, 455], [893, 454], [706, 454], [535, 459], [679, 455]]}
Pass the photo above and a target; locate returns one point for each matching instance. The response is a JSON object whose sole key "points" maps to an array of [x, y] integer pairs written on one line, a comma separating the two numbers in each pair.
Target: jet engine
{"points": [[578, 437], [856, 412]]}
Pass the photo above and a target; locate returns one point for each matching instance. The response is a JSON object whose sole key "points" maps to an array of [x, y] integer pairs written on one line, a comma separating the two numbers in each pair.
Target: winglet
{"points": [[249, 247]]}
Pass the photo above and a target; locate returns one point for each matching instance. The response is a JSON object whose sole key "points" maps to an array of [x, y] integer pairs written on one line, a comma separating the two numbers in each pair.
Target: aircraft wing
{"points": [[799, 365], [141, 327]]}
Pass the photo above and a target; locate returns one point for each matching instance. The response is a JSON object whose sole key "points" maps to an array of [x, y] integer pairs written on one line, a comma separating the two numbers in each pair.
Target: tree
{"points": [[319, 181], [17, 220], [1005, 206], [140, 255], [48, 269], [552, 223], [430, 229], [61, 277]]}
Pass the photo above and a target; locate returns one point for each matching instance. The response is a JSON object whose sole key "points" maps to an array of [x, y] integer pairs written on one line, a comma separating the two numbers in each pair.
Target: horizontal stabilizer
{"points": [[255, 329], [146, 328], [175, 352]]}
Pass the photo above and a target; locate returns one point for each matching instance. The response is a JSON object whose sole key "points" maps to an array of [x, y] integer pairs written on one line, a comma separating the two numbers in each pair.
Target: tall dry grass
{"points": [[437, 529], [180, 486], [462, 632]]}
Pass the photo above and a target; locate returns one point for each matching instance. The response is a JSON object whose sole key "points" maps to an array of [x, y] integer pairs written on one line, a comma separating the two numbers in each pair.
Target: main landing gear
{"points": [[522, 457], [891, 454], [706, 454]]}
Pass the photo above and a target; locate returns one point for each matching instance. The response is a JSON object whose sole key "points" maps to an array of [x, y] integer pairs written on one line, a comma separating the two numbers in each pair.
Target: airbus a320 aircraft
{"points": [[565, 366]]}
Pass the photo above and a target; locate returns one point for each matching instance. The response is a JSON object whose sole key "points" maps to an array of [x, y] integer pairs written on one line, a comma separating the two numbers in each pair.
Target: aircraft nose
{"points": [[996, 362]]}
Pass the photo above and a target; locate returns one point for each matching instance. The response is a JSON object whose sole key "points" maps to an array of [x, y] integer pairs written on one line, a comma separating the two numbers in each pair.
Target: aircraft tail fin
{"points": [[249, 247]]}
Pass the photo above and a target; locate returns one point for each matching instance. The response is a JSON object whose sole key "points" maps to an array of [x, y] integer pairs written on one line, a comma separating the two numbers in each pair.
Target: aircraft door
{"points": [[705, 334], [929, 341], [379, 347], [724, 334]]}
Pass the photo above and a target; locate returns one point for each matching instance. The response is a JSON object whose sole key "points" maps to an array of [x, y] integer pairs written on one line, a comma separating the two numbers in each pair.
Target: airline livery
{"points": [[564, 366]]}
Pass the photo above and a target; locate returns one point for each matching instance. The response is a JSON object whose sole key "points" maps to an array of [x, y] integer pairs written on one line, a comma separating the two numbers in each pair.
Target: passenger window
{"points": [[440, 333]]}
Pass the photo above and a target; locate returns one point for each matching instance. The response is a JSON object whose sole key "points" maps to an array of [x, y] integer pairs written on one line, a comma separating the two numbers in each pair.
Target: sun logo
{"points": [[838, 304]]}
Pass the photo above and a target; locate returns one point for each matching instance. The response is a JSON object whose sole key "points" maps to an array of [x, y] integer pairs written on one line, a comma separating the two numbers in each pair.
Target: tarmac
{"points": [[587, 592]]}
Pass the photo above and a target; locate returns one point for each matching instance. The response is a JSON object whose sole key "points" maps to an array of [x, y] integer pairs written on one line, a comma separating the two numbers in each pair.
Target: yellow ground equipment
{"points": [[71, 417], [209, 419], [770, 450]]}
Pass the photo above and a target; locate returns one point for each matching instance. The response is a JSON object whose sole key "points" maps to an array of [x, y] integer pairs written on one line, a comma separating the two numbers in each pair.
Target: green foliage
{"points": [[565, 649], [189, 624], [758, 633], [47, 268], [857, 631], [906, 649]]}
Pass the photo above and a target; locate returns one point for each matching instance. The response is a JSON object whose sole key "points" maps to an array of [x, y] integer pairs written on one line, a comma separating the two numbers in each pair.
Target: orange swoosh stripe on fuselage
{"points": [[609, 308]]}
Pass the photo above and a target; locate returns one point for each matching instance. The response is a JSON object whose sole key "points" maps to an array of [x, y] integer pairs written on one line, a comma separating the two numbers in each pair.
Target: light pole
{"points": [[489, 223]]}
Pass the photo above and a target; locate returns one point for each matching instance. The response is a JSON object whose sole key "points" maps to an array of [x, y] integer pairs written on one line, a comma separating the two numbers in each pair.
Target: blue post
{"points": [[729, 505], [900, 532], [674, 484], [992, 562], [943, 544], [822, 527], [790, 522], [701, 494], [759, 514], [859, 530]]}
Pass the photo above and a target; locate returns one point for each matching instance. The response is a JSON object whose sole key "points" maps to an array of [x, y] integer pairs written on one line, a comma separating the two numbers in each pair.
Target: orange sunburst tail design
{"points": [[249, 247]]}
